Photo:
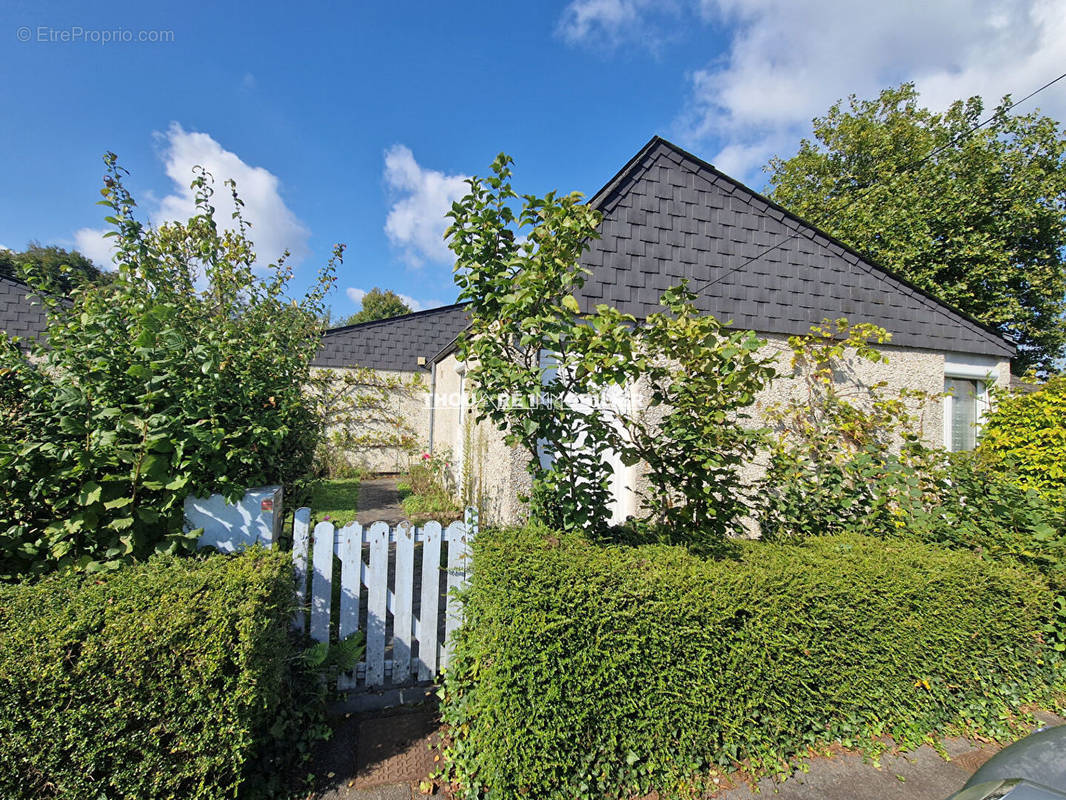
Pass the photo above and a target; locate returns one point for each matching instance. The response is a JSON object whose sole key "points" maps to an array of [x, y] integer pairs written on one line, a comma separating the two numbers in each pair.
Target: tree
{"points": [[981, 224], [65, 268], [379, 304], [543, 372], [184, 374], [519, 270]]}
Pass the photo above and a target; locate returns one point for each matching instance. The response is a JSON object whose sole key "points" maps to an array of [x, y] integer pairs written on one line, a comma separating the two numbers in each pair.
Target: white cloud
{"points": [[273, 225], [610, 23], [788, 62], [416, 221], [92, 243], [357, 295]]}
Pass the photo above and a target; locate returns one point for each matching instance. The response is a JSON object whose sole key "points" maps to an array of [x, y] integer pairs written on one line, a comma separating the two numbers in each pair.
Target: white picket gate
{"points": [[419, 603]]}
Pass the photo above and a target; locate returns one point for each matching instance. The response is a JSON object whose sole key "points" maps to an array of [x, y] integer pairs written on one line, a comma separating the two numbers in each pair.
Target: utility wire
{"points": [[1000, 114]]}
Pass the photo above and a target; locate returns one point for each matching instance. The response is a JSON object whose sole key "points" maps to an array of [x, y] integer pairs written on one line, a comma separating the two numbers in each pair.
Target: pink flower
{"points": [[426, 456]]}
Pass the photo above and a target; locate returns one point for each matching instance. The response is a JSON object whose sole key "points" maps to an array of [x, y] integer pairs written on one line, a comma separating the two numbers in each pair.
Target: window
{"points": [[966, 382], [962, 413]]}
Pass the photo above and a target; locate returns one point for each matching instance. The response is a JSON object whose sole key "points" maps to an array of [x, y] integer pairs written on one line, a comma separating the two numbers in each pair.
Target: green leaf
{"points": [[90, 493]]}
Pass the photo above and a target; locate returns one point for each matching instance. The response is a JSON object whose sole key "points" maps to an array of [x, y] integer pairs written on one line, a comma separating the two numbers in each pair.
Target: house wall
{"points": [[495, 474], [915, 370], [412, 407], [491, 474]]}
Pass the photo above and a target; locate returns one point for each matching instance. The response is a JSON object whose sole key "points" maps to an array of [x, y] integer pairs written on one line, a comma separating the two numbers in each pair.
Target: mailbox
{"points": [[229, 527]]}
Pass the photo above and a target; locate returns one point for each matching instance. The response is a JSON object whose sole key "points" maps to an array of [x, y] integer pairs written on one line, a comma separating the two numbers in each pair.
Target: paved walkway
{"points": [[385, 755], [379, 499], [378, 756], [918, 775]]}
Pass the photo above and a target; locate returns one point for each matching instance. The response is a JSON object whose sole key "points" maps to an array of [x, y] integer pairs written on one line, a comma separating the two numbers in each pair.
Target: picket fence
{"points": [[408, 611]]}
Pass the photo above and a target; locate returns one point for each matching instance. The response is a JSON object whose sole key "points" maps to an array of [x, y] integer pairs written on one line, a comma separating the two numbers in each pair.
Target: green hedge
{"points": [[156, 681], [592, 671]]}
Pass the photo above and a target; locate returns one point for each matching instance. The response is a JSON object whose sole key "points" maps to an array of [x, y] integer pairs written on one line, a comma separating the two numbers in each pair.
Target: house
{"points": [[669, 215], [400, 347]]}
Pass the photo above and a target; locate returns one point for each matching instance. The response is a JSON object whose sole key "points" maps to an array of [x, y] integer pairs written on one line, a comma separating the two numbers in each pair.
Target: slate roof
{"points": [[21, 314], [395, 343], [669, 215]]}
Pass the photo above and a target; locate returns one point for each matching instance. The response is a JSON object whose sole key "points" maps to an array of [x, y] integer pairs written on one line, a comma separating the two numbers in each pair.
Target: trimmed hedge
{"points": [[592, 671], [161, 680]]}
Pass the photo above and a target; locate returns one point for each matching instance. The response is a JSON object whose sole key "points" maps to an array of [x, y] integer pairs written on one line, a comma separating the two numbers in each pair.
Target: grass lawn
{"points": [[337, 500]]}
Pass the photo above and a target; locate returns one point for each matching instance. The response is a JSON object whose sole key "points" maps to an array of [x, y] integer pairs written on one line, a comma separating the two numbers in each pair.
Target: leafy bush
{"points": [[551, 375], [591, 671], [970, 506], [519, 270], [185, 373], [847, 455], [1025, 437], [695, 436], [173, 679], [429, 490]]}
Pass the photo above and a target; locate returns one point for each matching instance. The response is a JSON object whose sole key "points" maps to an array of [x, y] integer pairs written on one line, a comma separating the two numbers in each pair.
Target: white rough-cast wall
{"points": [[490, 474], [914, 370], [495, 474], [410, 406]]}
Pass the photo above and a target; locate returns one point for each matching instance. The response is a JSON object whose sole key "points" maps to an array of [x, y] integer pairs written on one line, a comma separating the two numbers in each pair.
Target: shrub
{"points": [[980, 509], [847, 455], [516, 264], [695, 436], [553, 376], [184, 373], [173, 679], [591, 671], [1025, 436], [429, 490]]}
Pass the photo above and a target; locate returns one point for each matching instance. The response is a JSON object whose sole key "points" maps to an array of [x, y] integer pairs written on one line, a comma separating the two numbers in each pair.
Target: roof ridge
{"points": [[373, 322], [13, 279], [625, 171]]}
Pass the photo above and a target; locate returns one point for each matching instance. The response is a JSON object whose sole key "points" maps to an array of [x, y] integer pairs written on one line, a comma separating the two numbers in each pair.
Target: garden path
{"points": [[379, 500]]}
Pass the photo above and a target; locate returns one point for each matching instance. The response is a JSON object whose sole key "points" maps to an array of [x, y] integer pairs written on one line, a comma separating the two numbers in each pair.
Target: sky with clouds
{"points": [[360, 123]]}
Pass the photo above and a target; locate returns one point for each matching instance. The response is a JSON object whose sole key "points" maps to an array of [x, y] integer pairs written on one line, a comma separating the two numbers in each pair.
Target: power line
{"points": [[999, 114]]}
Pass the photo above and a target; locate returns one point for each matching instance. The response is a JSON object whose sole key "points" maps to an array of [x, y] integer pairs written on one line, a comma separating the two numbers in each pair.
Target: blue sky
{"points": [[357, 122]]}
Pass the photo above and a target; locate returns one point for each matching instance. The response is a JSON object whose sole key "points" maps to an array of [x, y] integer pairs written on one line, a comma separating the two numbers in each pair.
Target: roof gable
{"points": [[393, 344], [667, 215]]}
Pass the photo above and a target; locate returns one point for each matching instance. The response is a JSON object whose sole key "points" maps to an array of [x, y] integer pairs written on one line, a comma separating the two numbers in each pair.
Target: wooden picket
{"points": [[400, 570]]}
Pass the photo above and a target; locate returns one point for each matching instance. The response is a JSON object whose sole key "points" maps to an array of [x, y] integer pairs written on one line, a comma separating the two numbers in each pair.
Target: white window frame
{"points": [[970, 370]]}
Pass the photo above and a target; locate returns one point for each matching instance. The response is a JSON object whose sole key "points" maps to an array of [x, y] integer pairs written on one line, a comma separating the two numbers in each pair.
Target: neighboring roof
{"points": [[395, 343], [1019, 385], [669, 215], [21, 313]]}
